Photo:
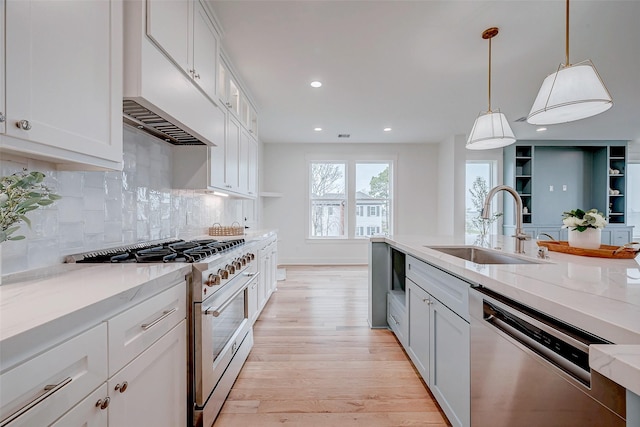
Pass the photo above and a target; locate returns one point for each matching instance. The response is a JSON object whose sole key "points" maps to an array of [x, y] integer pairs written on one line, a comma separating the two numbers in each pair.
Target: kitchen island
{"points": [[600, 296]]}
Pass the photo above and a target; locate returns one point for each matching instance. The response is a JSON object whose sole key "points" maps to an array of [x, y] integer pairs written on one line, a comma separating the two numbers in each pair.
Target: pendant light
{"points": [[573, 92], [491, 129]]}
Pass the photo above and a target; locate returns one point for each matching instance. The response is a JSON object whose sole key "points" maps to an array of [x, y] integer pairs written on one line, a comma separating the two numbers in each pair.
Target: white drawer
{"points": [[132, 331], [76, 368], [448, 289], [397, 319]]}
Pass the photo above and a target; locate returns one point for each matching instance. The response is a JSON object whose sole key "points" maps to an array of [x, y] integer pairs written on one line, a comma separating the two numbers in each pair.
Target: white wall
{"points": [[106, 209], [285, 172], [451, 197]]}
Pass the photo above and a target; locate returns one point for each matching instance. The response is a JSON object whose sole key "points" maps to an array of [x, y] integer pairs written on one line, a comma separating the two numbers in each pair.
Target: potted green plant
{"points": [[21, 193]]}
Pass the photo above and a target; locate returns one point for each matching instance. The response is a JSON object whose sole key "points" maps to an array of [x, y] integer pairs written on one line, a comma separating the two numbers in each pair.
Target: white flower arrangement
{"points": [[581, 220]]}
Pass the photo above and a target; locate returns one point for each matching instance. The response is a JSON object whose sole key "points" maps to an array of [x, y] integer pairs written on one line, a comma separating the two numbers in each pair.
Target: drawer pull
{"points": [[49, 390], [165, 314]]}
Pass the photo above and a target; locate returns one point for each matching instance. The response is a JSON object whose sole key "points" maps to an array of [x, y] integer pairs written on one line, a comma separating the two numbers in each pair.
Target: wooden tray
{"points": [[605, 251]]}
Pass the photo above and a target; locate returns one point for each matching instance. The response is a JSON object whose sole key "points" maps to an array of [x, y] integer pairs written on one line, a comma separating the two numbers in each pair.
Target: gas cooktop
{"points": [[174, 250]]}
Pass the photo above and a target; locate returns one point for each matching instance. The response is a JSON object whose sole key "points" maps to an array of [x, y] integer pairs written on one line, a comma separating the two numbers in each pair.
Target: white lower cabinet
{"points": [[449, 363], [438, 336], [128, 370], [252, 303], [87, 413], [268, 266], [151, 390], [419, 322]]}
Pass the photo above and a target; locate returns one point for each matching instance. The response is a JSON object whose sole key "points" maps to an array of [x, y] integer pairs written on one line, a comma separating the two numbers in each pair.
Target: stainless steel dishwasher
{"points": [[529, 369]]}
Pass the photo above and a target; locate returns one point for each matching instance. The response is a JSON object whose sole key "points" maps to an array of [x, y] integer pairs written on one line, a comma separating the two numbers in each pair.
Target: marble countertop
{"points": [[36, 304], [599, 295]]}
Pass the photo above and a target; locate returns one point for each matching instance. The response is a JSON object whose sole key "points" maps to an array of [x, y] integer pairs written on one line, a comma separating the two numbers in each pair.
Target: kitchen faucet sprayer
{"points": [[520, 235]]}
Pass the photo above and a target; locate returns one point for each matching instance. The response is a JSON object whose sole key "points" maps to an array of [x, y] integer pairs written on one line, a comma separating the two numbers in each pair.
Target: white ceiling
{"points": [[421, 67]]}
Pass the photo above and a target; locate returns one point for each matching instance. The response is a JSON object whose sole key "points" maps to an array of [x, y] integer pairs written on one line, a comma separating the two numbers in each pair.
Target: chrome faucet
{"points": [[520, 235]]}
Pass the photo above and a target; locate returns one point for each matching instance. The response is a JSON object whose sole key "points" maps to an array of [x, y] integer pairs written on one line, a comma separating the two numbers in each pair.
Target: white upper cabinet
{"points": [[232, 155], [205, 51], [183, 30], [229, 90], [63, 80]]}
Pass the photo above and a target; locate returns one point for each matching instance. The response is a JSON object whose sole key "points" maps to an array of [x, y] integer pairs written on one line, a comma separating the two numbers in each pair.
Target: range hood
{"points": [[158, 97], [142, 118]]}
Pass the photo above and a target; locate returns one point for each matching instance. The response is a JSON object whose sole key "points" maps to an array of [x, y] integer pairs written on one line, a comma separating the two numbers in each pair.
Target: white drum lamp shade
{"points": [[490, 130], [574, 92]]}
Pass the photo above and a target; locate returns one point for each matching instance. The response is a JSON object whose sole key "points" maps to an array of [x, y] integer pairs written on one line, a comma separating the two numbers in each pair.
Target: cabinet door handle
{"points": [[2, 119], [121, 387], [165, 314], [427, 300], [103, 403], [49, 390], [394, 319], [24, 125]]}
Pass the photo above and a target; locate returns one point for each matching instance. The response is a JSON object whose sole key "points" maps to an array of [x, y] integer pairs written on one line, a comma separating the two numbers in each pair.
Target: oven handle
{"points": [[218, 310]]}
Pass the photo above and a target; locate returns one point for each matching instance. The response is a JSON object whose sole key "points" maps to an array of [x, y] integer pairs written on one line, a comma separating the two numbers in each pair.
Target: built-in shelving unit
{"points": [[552, 177], [524, 179], [617, 185]]}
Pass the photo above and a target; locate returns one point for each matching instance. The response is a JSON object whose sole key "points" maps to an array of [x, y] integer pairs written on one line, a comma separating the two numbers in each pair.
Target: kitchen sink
{"points": [[481, 256]]}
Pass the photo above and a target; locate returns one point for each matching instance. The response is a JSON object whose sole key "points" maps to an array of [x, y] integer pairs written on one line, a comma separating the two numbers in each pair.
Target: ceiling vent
{"points": [[344, 135], [146, 120]]}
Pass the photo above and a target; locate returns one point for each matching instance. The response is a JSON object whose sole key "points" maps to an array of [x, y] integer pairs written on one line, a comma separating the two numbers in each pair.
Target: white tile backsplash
{"points": [[104, 209]]}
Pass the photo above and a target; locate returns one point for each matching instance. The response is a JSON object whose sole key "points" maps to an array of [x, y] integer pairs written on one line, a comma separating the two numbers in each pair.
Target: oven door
{"points": [[221, 323]]}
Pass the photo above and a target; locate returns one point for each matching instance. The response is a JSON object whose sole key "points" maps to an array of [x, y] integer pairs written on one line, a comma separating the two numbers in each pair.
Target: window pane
{"points": [[328, 199], [479, 179], [328, 180], [327, 218], [373, 197]]}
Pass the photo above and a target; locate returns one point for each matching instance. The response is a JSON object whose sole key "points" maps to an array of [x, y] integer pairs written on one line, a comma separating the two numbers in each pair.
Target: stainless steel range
{"points": [[220, 336]]}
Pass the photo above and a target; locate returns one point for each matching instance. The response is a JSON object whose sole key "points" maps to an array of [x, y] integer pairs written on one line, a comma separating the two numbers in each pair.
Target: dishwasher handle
{"points": [[504, 321]]}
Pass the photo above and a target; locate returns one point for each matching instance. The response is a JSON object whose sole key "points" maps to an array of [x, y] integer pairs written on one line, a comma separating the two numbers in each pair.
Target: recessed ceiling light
{"points": [[387, 129], [316, 83], [541, 129], [317, 129]]}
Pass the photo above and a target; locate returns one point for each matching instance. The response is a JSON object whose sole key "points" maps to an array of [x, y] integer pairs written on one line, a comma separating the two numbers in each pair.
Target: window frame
{"points": [[350, 222]]}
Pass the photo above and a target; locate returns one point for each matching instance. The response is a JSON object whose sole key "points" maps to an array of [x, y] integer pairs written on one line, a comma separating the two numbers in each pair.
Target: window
{"points": [[480, 178], [373, 210], [336, 200], [371, 231]]}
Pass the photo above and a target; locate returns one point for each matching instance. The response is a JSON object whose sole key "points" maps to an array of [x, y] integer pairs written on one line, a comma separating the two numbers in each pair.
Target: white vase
{"points": [[587, 239]]}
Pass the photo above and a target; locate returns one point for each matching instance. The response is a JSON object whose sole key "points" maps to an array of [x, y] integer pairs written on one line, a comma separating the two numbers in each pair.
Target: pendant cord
{"points": [[489, 75], [567, 35]]}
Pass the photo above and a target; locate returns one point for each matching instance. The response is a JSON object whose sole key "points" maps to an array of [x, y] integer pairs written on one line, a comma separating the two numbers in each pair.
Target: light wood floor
{"points": [[316, 362]]}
